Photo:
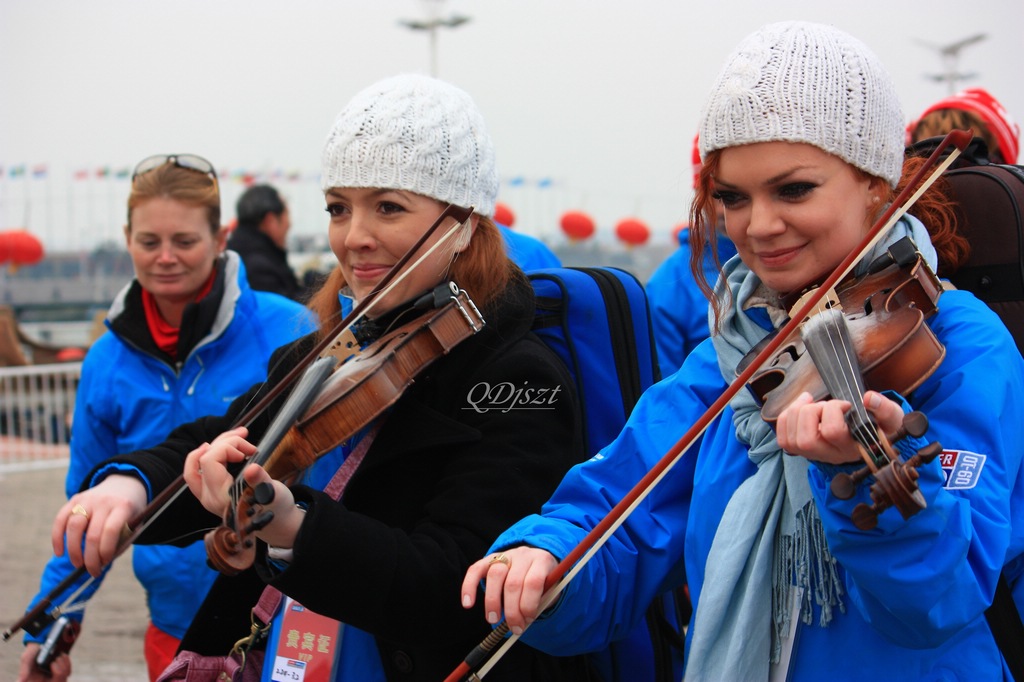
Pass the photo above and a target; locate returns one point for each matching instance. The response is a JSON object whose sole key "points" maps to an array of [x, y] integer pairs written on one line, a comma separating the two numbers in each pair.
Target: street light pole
{"points": [[950, 54], [431, 26]]}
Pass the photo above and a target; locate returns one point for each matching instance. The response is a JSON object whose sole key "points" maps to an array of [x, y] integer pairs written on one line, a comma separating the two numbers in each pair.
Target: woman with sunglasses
{"points": [[377, 561], [187, 336]]}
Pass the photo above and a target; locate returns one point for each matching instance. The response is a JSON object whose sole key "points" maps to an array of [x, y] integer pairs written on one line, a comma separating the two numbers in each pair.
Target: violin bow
{"points": [[41, 614], [575, 560]]}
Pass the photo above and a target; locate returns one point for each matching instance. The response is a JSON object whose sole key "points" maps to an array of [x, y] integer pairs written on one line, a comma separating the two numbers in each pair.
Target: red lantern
{"points": [[70, 354], [20, 248], [678, 230], [503, 215], [632, 231], [577, 225]]}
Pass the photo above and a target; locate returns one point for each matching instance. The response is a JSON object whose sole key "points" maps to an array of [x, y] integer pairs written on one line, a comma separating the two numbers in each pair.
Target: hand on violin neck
{"points": [[275, 516], [819, 432], [206, 468]]}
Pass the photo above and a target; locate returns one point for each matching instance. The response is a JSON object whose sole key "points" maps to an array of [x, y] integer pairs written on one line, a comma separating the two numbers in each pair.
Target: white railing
{"points": [[36, 405]]}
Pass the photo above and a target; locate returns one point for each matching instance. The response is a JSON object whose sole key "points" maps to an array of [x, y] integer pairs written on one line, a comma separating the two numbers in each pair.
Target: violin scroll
{"points": [[895, 486], [231, 551], [895, 482]]}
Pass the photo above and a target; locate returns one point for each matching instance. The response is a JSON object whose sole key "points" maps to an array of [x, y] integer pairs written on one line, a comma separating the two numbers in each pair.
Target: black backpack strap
{"points": [[667, 641], [1007, 629], [975, 154]]}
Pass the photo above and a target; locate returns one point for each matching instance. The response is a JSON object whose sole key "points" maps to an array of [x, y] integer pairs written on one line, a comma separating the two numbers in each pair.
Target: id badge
{"points": [[305, 646]]}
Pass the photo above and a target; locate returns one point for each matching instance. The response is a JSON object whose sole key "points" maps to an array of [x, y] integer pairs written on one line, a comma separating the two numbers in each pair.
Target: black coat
{"points": [[438, 485], [266, 264]]}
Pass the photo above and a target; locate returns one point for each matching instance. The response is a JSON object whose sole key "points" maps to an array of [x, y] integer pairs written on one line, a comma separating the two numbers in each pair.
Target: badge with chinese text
{"points": [[307, 646]]}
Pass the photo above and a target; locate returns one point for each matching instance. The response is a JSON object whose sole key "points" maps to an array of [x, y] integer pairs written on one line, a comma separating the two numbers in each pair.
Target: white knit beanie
{"points": [[797, 81], [413, 133]]}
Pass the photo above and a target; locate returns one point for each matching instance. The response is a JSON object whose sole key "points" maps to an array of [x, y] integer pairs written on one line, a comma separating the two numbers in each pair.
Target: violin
{"points": [[347, 400], [870, 335]]}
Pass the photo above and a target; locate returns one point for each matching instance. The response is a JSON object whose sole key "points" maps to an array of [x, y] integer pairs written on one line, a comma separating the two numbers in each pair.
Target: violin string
{"points": [[330, 322], [848, 358]]}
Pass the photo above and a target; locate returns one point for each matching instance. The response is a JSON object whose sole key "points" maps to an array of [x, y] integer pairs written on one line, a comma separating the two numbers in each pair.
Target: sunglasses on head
{"points": [[186, 161]]}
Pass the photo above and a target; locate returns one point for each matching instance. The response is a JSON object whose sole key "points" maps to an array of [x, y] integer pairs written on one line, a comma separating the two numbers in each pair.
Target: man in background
{"points": [[263, 225]]}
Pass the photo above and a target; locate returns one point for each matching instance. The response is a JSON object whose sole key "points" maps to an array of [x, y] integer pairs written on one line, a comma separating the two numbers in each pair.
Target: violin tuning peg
{"points": [[926, 454], [864, 517], [914, 424], [844, 485], [263, 493], [259, 521]]}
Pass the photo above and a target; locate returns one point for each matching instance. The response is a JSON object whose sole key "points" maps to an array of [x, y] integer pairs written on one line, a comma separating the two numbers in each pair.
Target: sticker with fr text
{"points": [[961, 468]]}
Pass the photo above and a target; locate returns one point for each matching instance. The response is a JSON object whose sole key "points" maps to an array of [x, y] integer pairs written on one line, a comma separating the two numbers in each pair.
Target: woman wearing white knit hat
{"points": [[802, 147], [379, 555]]}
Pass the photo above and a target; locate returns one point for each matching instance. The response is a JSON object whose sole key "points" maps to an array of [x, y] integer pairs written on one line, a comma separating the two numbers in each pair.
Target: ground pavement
{"points": [[110, 646]]}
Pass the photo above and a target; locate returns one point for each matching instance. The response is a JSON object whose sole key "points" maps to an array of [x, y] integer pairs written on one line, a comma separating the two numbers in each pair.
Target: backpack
{"points": [[990, 213], [597, 321], [990, 210]]}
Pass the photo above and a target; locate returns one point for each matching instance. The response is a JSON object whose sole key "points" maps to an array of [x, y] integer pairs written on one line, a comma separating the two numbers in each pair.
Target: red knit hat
{"points": [[988, 108]]}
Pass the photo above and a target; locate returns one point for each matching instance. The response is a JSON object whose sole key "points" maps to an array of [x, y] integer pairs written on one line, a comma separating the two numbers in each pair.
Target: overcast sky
{"points": [[592, 104]]}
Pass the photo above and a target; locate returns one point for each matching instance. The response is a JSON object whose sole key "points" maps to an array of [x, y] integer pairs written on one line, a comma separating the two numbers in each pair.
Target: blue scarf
{"points": [[770, 537]]}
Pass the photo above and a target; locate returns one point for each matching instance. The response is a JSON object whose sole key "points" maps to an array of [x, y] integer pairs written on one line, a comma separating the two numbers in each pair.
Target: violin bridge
{"points": [[343, 347], [827, 302]]}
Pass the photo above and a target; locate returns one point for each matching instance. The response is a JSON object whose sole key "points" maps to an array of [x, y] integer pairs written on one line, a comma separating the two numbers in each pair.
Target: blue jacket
{"points": [[679, 310], [916, 590], [129, 399], [529, 253]]}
